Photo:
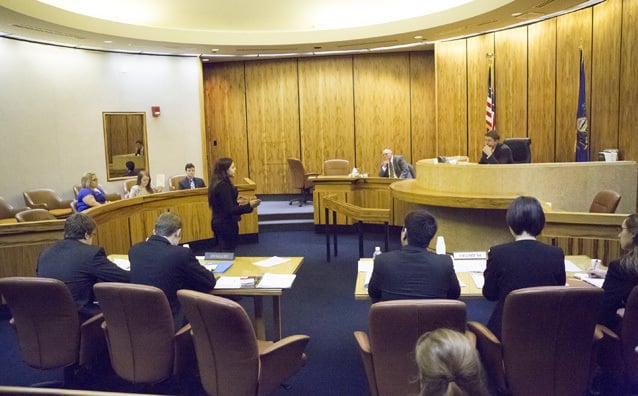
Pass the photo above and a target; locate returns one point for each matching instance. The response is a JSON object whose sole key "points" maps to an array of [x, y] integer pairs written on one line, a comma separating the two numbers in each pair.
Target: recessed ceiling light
{"points": [[108, 42], [418, 37], [517, 14]]}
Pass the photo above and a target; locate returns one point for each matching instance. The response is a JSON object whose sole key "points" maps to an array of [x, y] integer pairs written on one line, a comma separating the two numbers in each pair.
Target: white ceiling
{"points": [[264, 28]]}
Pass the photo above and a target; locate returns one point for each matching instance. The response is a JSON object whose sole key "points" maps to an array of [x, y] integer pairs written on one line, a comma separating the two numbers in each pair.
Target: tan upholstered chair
{"points": [[34, 215], [231, 360], [298, 178], [8, 212], [173, 182], [336, 167], [394, 327], [618, 351], [45, 198], [605, 201], [546, 341], [140, 333], [48, 327], [128, 184]]}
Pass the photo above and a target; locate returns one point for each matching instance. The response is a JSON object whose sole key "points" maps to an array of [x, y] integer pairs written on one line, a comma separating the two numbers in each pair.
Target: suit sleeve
{"points": [[227, 203], [107, 271], [615, 293], [403, 167], [454, 290], [199, 278], [504, 155], [491, 275], [182, 184], [374, 286], [383, 171]]}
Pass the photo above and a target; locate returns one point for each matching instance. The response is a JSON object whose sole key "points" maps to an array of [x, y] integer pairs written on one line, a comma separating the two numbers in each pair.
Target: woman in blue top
{"points": [[91, 194]]}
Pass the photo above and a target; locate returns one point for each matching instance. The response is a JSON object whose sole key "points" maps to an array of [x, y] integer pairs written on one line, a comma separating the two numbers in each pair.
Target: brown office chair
{"points": [[34, 215], [394, 327], [110, 197], [231, 360], [617, 353], [173, 182], [48, 327], [546, 341], [336, 167], [605, 201], [140, 334], [8, 212], [45, 198], [299, 180], [521, 152]]}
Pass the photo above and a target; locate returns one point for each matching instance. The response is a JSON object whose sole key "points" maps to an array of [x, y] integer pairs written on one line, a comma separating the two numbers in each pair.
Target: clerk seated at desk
{"points": [[495, 152], [394, 166], [414, 272], [160, 262]]}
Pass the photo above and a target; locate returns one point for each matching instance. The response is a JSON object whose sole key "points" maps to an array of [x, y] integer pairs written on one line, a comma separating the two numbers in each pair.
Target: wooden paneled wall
{"points": [[424, 104]]}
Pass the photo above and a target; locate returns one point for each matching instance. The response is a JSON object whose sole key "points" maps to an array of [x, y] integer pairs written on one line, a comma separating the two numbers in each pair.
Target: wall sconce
{"points": [[155, 110]]}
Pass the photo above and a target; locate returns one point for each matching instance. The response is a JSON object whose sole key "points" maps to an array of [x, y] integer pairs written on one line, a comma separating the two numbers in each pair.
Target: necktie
{"points": [[192, 183], [391, 170]]}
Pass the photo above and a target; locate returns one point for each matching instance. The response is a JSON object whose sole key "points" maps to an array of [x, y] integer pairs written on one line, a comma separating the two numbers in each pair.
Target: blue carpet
{"points": [[321, 304]]}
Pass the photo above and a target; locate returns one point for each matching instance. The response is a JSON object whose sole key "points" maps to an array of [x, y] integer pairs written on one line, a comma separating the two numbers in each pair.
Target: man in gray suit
{"points": [[394, 166]]}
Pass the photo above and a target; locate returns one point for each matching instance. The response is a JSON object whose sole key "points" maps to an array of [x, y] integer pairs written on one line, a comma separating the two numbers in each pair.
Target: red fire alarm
{"points": [[155, 110]]}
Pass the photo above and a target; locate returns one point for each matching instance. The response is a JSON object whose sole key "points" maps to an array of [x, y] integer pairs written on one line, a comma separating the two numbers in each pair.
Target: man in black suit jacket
{"points": [[160, 262], [394, 166], [79, 264], [413, 272], [495, 152], [190, 181]]}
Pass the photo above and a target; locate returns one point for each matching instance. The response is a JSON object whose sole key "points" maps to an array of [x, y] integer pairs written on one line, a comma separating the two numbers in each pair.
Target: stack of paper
{"points": [[123, 263], [598, 282], [269, 262], [276, 281]]}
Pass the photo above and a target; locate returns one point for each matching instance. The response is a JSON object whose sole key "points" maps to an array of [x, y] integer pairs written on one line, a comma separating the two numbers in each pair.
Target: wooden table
{"points": [[468, 286], [245, 267]]}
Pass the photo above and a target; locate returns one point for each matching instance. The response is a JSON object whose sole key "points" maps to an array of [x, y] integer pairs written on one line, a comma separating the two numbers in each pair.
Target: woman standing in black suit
{"points": [[622, 274], [226, 205], [524, 262]]}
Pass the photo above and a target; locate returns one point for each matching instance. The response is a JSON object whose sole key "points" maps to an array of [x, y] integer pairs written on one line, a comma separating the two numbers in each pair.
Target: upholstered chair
{"points": [[34, 215], [8, 212], [298, 178], [521, 152], [336, 167], [605, 201], [45, 198]]}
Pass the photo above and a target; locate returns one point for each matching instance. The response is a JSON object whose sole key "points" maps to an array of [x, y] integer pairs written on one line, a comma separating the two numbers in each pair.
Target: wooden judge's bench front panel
{"points": [[470, 201]]}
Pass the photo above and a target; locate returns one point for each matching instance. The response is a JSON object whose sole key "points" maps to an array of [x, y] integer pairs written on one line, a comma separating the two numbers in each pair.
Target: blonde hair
{"points": [[86, 179], [449, 365]]}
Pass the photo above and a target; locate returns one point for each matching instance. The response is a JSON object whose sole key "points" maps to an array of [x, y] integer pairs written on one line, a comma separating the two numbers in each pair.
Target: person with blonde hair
{"points": [[91, 193], [449, 365]]}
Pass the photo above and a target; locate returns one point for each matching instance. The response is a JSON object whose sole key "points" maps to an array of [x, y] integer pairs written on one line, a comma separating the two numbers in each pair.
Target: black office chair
{"points": [[521, 152]]}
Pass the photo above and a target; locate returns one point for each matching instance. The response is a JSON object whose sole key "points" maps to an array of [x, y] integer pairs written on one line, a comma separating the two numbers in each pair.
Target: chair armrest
{"points": [[185, 361], [310, 174], [491, 351], [113, 197], [368, 364], [65, 203], [39, 206], [281, 360], [92, 341], [15, 211]]}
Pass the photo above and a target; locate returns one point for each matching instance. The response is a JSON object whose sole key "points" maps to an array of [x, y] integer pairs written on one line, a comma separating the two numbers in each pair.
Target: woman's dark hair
{"points": [[140, 175], [525, 214], [221, 170]]}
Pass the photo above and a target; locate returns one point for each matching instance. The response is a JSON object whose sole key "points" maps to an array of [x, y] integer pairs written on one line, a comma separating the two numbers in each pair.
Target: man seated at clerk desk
{"points": [[495, 152], [394, 166], [160, 262], [414, 272], [190, 181]]}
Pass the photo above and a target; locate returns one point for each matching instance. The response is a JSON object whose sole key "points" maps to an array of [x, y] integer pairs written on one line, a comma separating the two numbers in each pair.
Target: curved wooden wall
{"points": [[424, 104], [120, 224]]}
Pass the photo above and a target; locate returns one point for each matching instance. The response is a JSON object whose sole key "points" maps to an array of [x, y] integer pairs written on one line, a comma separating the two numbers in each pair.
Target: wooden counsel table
{"points": [[245, 267], [468, 286]]}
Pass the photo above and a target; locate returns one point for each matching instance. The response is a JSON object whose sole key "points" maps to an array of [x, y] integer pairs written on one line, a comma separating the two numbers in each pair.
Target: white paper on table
{"points": [[365, 265], [269, 262], [228, 282], [478, 279], [469, 265], [276, 281], [366, 281], [598, 282], [123, 263], [571, 267], [160, 180], [470, 255]]}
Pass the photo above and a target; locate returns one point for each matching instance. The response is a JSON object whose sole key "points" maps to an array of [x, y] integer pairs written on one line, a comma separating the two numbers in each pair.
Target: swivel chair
{"points": [[8, 212], [299, 180], [336, 167], [521, 152], [605, 201], [45, 198]]}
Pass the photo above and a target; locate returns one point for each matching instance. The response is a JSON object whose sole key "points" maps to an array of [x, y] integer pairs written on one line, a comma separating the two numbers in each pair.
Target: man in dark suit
{"points": [[394, 166], [495, 152], [160, 262], [413, 272], [190, 181], [79, 264]]}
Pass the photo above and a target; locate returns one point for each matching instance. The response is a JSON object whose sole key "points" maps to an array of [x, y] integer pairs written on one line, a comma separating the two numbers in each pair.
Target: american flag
{"points": [[490, 109]]}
